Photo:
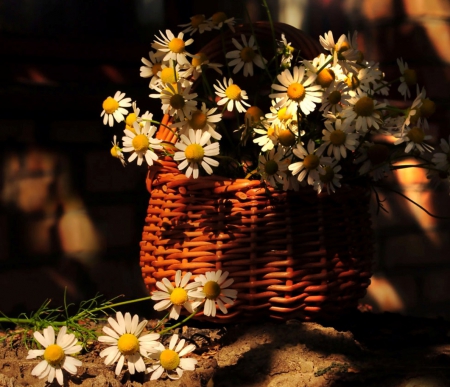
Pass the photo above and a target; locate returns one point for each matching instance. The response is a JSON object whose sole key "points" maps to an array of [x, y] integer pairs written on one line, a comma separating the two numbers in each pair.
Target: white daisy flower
{"points": [[172, 48], [442, 159], [330, 179], [327, 73], [411, 112], [126, 343], [197, 23], [171, 360], [286, 51], [272, 168], [203, 119], [151, 68], [194, 151], [198, 63], [415, 139], [408, 78], [365, 111], [55, 354], [298, 90], [282, 115], [311, 164], [343, 50], [245, 55], [219, 19], [141, 143], [178, 296], [268, 139], [338, 138], [177, 101], [169, 74], [116, 151], [375, 160], [214, 287], [114, 108], [231, 95], [335, 97]]}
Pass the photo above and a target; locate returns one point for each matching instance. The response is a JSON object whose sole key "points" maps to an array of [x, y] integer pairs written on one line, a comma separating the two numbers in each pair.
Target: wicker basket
{"points": [[291, 254]]}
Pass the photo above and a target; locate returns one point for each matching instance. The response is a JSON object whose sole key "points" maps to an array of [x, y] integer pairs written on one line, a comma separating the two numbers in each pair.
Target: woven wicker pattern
{"points": [[292, 255]]}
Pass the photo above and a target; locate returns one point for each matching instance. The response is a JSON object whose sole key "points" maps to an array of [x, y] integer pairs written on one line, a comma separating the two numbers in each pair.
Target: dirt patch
{"points": [[361, 350]]}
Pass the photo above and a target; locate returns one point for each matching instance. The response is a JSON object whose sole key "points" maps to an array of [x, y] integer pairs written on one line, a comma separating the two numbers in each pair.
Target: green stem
{"points": [[164, 331]]}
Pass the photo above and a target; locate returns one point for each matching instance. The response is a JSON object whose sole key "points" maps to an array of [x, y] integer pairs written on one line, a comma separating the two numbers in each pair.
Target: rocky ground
{"points": [[362, 349]]}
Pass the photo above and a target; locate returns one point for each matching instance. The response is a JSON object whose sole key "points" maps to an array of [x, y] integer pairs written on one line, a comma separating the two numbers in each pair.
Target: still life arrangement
{"points": [[260, 163]]}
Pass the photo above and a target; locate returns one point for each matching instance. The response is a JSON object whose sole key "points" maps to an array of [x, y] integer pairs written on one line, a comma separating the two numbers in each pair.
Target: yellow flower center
{"points": [[253, 115], [343, 47], [115, 151], [54, 355], [328, 176], [271, 167], [311, 162], [169, 75], [130, 119], [337, 137], [128, 344], [334, 97], [352, 81], [296, 92], [177, 101], [325, 77], [169, 359], [156, 68], [199, 58], [110, 105], [178, 296], [211, 290], [270, 131], [283, 115], [247, 54], [176, 45], [416, 135], [428, 108], [140, 142], [194, 153], [219, 17], [410, 77], [197, 20], [378, 153], [198, 120], [233, 92], [286, 137], [364, 107]]}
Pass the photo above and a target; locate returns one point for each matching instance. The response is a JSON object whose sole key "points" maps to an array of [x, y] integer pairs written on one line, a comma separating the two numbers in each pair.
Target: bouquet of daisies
{"points": [[321, 123]]}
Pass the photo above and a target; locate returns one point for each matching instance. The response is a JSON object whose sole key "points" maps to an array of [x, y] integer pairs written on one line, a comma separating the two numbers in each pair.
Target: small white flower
{"points": [[231, 95], [214, 288], [141, 143], [441, 159], [199, 61], [114, 108], [272, 167], [116, 151], [408, 78], [171, 360], [178, 296], [335, 97], [245, 55], [338, 138], [126, 343], [329, 179], [151, 68], [415, 139], [197, 23], [286, 51], [172, 48], [219, 19], [55, 354]]}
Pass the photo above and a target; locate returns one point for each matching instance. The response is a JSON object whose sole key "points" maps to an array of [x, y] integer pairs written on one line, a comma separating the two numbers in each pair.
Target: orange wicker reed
{"points": [[291, 254]]}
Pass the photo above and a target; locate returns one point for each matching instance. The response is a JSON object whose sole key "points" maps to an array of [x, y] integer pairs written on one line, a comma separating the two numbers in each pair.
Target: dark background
{"points": [[60, 59]]}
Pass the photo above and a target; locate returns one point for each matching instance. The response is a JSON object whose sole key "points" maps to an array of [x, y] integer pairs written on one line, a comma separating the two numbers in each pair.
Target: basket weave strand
{"points": [[291, 254]]}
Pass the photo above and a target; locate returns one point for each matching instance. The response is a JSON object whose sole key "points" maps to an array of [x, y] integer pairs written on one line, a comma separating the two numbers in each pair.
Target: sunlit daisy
{"points": [[408, 78], [365, 111], [245, 55], [214, 287], [219, 19], [286, 51], [311, 164], [343, 50], [116, 151], [203, 119], [151, 68], [272, 168], [197, 23], [195, 152], [126, 343], [231, 95], [55, 354], [325, 73], [172, 48], [337, 139], [141, 143], [296, 89], [114, 108], [178, 296], [268, 139], [329, 179], [281, 115], [415, 139], [335, 97], [170, 360], [176, 100]]}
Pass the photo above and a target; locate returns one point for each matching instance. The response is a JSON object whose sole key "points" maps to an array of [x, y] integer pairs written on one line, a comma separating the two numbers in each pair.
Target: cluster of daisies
{"points": [[127, 339], [326, 121]]}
